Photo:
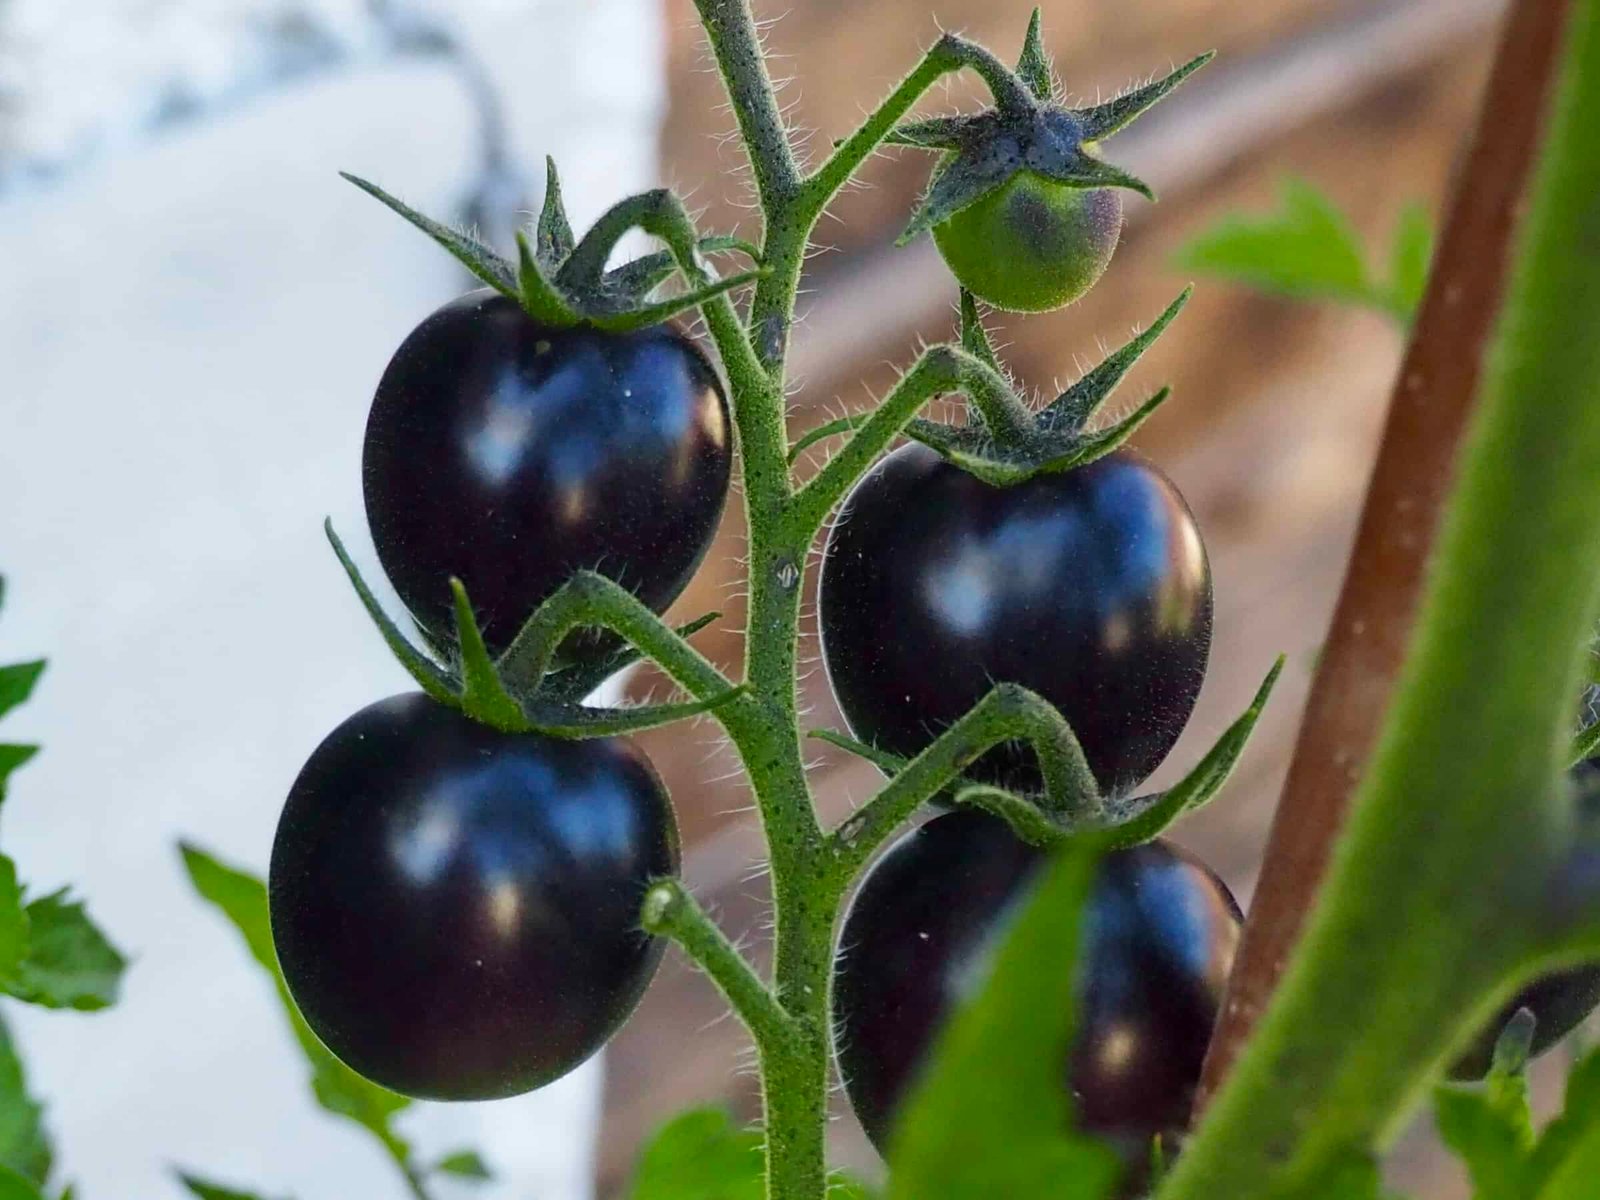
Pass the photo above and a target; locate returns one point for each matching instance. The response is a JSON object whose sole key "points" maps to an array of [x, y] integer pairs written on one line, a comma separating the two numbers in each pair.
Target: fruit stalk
{"points": [[1446, 890]]}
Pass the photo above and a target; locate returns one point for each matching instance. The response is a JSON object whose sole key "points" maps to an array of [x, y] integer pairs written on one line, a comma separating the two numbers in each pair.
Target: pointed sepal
{"points": [[540, 298], [974, 337], [429, 675], [1072, 410], [958, 184], [1034, 68], [673, 306], [1140, 818], [471, 253], [574, 680], [482, 697], [553, 240], [939, 133], [1103, 120]]}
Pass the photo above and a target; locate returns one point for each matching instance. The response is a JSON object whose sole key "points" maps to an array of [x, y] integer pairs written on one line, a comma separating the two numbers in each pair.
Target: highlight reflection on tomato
{"points": [[511, 455], [1090, 587]]}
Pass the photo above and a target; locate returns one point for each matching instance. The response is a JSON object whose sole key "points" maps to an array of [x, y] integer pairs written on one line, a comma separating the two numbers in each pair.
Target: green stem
{"points": [[1439, 899], [1007, 713]]}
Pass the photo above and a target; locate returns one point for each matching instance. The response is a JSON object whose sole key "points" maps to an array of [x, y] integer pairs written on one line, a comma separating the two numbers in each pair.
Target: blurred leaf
{"points": [[991, 1119], [464, 1164], [842, 1186], [1306, 248], [13, 923], [1572, 1136], [16, 1187], [24, 1145], [1493, 1148], [213, 1191], [701, 1155], [17, 683], [1409, 260], [1352, 1177], [12, 757], [242, 898], [69, 962]]}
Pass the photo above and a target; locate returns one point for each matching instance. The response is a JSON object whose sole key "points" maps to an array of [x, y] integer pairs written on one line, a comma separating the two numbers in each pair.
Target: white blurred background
{"points": [[194, 309]]}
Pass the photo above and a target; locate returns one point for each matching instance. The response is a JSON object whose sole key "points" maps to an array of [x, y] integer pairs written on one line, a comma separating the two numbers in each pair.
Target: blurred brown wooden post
{"points": [[1429, 412]]}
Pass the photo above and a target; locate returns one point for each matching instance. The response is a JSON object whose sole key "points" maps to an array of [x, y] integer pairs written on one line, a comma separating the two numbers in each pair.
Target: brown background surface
{"points": [[1270, 432]]}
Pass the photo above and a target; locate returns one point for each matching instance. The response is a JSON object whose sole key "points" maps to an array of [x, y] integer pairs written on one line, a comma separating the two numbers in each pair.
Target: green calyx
{"points": [[563, 281], [1026, 131], [1006, 442], [531, 688]]}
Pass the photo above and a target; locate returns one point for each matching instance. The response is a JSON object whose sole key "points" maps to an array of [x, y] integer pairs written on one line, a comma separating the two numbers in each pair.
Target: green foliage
{"points": [[702, 1155], [69, 963], [242, 899], [1491, 1128], [17, 1187], [205, 1190], [990, 1120], [24, 1145], [1308, 249]]}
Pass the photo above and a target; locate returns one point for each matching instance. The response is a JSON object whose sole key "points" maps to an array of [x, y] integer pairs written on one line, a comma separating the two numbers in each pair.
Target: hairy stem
{"points": [[1443, 892]]}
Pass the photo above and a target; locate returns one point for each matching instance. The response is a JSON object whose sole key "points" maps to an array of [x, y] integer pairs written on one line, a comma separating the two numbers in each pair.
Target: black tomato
{"points": [[511, 455], [1161, 931], [1091, 587], [456, 910]]}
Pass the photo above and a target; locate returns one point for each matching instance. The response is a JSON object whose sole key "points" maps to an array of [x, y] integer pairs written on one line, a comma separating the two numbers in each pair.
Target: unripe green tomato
{"points": [[1032, 244]]}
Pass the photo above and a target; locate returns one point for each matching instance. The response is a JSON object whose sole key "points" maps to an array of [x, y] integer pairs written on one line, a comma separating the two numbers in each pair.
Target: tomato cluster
{"points": [[456, 908]]}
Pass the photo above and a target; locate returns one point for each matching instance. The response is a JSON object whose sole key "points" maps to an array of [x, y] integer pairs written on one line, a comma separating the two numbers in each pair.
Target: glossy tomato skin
{"points": [[1091, 587], [1160, 939], [1033, 244], [456, 910], [511, 455]]}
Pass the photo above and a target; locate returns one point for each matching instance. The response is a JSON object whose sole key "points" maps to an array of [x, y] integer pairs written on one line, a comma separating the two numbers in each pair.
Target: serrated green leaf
{"points": [[701, 1155], [24, 1145], [17, 682], [242, 899], [16, 1187], [69, 962], [1306, 249], [205, 1190], [1410, 256], [991, 1119], [464, 1164]]}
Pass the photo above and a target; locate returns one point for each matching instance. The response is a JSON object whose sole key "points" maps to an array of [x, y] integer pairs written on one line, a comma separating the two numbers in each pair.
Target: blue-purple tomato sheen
{"points": [[511, 454], [1091, 587], [456, 909], [1160, 934]]}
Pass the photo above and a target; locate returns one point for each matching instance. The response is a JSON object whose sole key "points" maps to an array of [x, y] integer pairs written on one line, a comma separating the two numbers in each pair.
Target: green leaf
{"points": [[13, 923], [16, 1187], [1563, 1139], [213, 1191], [24, 1146], [1409, 259], [701, 1155], [991, 1119], [12, 757], [464, 1164], [1306, 249], [1495, 1149], [69, 963], [242, 898], [17, 682]]}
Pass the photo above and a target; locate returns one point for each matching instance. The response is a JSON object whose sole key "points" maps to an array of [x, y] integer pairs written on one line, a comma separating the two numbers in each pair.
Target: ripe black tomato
{"points": [[456, 910], [511, 455], [1091, 587], [1160, 938]]}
